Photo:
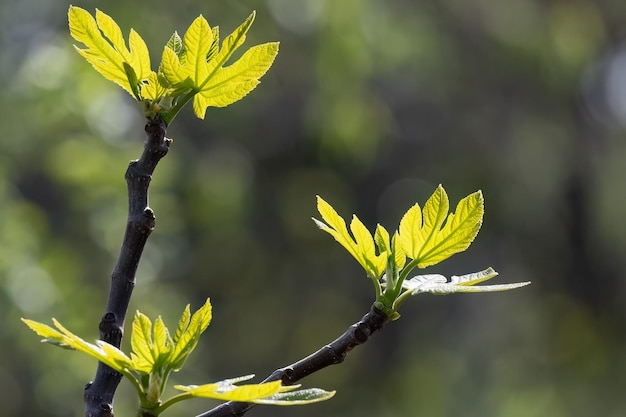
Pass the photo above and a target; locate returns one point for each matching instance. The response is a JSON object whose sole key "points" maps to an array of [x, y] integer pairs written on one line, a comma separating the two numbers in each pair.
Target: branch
{"points": [[141, 222], [331, 354]]}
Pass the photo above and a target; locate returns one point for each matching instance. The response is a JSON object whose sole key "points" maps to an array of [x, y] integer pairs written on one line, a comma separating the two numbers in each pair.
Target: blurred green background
{"points": [[370, 104]]}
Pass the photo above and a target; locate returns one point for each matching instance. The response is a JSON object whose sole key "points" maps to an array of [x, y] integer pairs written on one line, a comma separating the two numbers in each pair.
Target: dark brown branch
{"points": [[141, 221], [331, 354]]}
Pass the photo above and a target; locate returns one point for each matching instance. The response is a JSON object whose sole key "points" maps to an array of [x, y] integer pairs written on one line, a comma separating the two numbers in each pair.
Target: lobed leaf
{"points": [[102, 351], [226, 390], [142, 344], [361, 246], [183, 323], [234, 82], [152, 88], [106, 49], [162, 342], [425, 238], [187, 338], [197, 41], [175, 43]]}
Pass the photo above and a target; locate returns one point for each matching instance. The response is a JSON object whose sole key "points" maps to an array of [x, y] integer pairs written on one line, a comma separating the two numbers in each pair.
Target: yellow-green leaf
{"points": [[197, 41], [361, 247], [438, 284], [299, 397], [231, 44], [162, 340], [187, 339], [139, 55], [102, 351], [381, 236], [425, 238], [106, 49], [227, 391], [215, 45], [142, 344], [152, 88], [183, 323], [173, 71], [398, 252], [234, 82]]}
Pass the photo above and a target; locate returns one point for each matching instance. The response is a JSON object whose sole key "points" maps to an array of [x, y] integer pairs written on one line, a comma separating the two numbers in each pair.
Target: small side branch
{"points": [[331, 354], [141, 222]]}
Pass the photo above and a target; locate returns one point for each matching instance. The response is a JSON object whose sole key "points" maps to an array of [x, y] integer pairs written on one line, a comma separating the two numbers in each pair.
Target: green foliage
{"points": [[193, 67], [426, 236], [438, 284], [155, 354]]}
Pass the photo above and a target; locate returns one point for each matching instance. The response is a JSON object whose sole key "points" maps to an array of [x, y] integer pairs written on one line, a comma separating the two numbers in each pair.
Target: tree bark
{"points": [[98, 395], [331, 354]]}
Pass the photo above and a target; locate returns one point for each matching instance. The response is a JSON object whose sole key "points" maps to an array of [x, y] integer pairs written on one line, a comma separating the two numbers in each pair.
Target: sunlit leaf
{"points": [[172, 70], [152, 88], [299, 397], [106, 49], [199, 64], [162, 341], [141, 344], [398, 252], [183, 323], [175, 43], [215, 45], [361, 246], [197, 41], [425, 238], [102, 351], [381, 236], [226, 390], [234, 82], [186, 342], [438, 284]]}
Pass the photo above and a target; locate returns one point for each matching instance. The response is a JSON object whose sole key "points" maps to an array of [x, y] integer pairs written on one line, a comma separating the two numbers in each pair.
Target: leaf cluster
{"points": [[156, 354], [193, 67], [425, 237]]}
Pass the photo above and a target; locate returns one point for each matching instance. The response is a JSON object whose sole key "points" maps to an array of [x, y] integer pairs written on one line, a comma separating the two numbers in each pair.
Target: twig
{"points": [[141, 222], [331, 354]]}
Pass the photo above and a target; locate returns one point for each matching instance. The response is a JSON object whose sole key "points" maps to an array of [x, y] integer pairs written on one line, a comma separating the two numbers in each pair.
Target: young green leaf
{"points": [[361, 247], [162, 342], [234, 82], [153, 89], [102, 351], [141, 344], [226, 390], [175, 44], [186, 336], [438, 284], [425, 238], [391, 248], [183, 323], [106, 49], [299, 397], [199, 65]]}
